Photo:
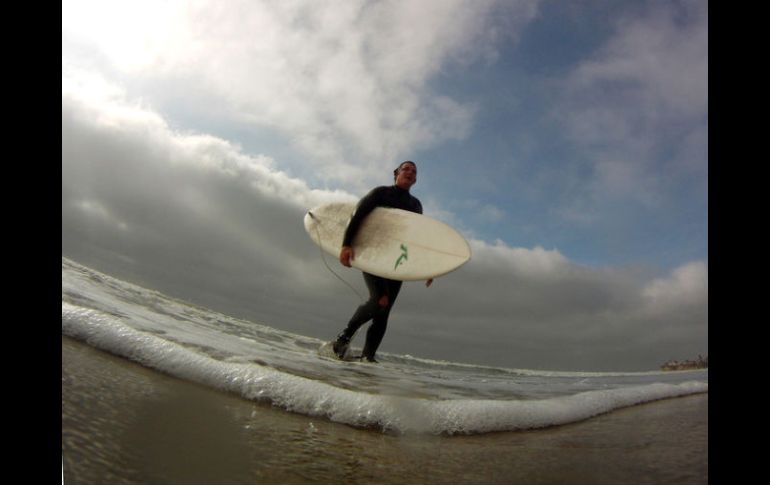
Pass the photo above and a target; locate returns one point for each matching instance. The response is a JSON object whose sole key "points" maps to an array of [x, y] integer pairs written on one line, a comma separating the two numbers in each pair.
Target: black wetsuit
{"points": [[385, 196]]}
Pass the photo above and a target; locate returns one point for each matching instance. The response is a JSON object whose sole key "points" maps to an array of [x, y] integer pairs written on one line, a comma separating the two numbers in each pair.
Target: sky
{"points": [[567, 141]]}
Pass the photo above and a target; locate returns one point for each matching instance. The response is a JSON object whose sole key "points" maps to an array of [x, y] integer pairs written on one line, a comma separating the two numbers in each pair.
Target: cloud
{"points": [[94, 210], [686, 286], [91, 101], [657, 61], [346, 82], [640, 104]]}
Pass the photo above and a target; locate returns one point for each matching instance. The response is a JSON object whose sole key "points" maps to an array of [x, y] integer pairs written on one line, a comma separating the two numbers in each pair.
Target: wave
{"points": [[311, 396]]}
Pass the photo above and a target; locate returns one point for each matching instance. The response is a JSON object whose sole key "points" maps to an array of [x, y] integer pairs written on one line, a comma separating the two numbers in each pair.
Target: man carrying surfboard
{"points": [[382, 291]]}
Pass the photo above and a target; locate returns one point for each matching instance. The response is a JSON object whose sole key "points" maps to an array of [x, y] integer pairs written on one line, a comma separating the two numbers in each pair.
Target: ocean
{"points": [[412, 400]]}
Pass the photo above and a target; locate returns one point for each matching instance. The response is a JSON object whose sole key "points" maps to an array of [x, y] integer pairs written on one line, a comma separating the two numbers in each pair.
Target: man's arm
{"points": [[364, 208]]}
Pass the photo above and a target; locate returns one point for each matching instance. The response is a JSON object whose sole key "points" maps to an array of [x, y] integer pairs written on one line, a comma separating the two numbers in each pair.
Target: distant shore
{"points": [[701, 363]]}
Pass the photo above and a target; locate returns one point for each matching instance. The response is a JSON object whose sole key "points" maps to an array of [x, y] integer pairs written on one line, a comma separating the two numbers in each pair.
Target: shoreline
{"points": [[124, 423]]}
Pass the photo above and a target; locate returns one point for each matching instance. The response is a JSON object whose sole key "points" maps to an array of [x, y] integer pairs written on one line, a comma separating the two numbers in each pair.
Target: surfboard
{"points": [[391, 243]]}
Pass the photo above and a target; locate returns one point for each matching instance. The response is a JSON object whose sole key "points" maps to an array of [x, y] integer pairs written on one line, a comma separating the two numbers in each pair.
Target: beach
{"points": [[125, 423]]}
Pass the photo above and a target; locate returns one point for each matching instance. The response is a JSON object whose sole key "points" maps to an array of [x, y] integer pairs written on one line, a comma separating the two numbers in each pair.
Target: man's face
{"points": [[407, 175]]}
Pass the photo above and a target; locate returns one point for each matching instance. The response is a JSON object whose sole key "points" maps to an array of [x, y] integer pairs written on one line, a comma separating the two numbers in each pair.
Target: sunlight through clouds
{"points": [[133, 35]]}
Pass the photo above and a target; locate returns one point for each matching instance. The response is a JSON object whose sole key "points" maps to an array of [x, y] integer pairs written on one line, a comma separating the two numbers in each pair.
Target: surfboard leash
{"points": [[323, 258]]}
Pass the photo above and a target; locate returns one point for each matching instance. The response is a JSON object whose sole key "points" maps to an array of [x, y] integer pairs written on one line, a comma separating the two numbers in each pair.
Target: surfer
{"points": [[382, 291]]}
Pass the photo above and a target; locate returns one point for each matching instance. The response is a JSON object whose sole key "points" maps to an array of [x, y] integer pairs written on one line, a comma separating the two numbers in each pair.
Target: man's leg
{"points": [[363, 314], [380, 318]]}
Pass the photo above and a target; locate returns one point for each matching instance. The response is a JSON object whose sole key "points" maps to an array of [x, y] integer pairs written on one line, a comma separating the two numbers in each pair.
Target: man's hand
{"points": [[347, 255]]}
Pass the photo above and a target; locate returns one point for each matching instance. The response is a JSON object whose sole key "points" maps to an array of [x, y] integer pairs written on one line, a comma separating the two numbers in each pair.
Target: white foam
{"points": [[315, 398], [528, 372]]}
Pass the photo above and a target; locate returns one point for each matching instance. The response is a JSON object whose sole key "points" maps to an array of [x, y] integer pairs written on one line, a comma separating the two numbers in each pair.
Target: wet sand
{"points": [[126, 424]]}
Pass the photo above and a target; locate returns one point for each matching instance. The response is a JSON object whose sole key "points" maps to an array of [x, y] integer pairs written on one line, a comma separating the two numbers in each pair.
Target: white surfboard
{"points": [[391, 243]]}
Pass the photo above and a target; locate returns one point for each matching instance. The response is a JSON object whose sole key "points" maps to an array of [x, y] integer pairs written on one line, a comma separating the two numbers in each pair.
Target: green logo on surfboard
{"points": [[404, 256]]}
